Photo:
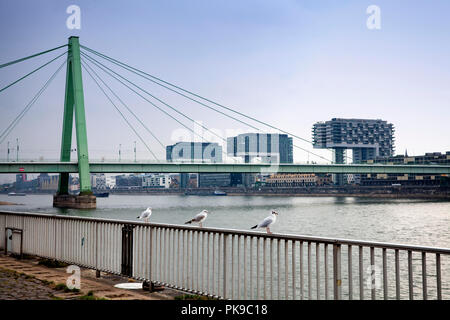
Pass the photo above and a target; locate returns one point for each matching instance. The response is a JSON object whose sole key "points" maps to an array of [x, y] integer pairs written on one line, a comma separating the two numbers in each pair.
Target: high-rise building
{"points": [[220, 179], [48, 182], [98, 180], [366, 138], [269, 147], [194, 152]]}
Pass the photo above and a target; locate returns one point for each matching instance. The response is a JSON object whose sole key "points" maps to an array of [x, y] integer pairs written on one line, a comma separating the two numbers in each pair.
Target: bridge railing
{"points": [[233, 264]]}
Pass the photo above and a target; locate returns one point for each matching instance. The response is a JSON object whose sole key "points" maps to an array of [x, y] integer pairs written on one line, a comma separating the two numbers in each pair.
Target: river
{"points": [[413, 222]]}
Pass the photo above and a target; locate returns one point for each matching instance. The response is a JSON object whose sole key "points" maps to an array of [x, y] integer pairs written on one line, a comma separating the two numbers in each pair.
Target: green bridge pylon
{"points": [[74, 103]]}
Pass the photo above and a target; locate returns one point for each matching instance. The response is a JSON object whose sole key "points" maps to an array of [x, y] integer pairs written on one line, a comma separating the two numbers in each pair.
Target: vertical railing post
{"points": [[350, 273], [294, 296], [337, 271], [372, 266], [361, 262], [438, 276], [410, 275], [245, 268], [385, 281], [424, 276], [301, 271], [397, 275], [150, 263], [225, 237], [318, 270], [258, 246]]}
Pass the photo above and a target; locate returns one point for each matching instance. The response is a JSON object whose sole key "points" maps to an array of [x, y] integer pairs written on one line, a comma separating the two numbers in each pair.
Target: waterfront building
{"points": [[195, 152], [98, 181], [408, 179], [366, 138], [156, 181], [47, 182], [220, 179], [110, 182], [262, 147], [24, 184], [131, 180], [297, 180], [268, 147]]}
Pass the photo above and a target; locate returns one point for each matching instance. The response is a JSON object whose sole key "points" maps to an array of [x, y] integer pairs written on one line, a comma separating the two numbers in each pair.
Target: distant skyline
{"points": [[288, 63]]}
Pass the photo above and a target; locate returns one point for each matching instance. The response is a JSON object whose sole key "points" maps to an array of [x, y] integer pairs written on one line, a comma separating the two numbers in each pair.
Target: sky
{"points": [[289, 63]]}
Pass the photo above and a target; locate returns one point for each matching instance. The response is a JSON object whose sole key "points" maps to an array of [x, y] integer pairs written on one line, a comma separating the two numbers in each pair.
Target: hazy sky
{"points": [[290, 63]]}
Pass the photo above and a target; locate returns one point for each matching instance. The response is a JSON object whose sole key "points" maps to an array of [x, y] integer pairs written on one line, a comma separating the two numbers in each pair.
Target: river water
{"points": [[413, 222], [403, 221]]}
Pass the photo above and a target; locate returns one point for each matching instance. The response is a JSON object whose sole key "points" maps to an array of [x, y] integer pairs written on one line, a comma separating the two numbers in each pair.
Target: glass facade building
{"points": [[269, 147], [366, 138]]}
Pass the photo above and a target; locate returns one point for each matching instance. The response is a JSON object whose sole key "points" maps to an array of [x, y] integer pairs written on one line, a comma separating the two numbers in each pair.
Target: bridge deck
{"points": [[164, 167]]}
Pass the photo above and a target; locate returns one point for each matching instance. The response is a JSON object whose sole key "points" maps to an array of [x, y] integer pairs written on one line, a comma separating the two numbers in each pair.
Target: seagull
{"points": [[200, 217], [267, 222], [146, 214]]}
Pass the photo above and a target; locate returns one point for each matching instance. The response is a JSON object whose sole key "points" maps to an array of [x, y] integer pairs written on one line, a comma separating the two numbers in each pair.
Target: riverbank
{"points": [[387, 192], [26, 279], [415, 192]]}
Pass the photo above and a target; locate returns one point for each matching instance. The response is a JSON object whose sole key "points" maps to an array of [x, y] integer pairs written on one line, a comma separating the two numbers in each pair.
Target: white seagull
{"points": [[146, 214], [200, 217], [267, 222]]}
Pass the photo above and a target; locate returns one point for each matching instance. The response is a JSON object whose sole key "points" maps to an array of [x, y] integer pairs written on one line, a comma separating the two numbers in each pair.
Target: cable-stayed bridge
{"points": [[94, 64]]}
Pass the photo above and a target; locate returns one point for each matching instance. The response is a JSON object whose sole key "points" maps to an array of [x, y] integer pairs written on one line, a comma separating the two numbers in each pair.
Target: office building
{"points": [[195, 152], [220, 179], [156, 181], [366, 138], [408, 179], [265, 147], [268, 147]]}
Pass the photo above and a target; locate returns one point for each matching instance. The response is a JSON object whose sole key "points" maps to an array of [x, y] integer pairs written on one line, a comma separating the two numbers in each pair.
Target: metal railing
{"points": [[235, 264]]}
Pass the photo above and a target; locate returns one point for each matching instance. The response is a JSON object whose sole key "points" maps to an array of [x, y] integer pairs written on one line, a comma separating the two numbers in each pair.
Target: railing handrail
{"points": [[293, 237]]}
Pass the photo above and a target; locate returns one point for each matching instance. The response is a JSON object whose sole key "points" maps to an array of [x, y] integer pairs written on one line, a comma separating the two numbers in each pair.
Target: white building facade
{"points": [[156, 181]]}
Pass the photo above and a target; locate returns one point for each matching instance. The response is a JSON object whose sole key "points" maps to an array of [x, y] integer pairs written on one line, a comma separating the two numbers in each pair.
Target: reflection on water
{"points": [[422, 222]]}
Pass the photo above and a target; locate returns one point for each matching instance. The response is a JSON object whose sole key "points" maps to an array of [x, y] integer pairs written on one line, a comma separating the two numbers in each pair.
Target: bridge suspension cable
{"points": [[30, 73], [32, 56], [142, 74], [19, 117], [121, 114], [105, 69], [151, 95], [86, 64]]}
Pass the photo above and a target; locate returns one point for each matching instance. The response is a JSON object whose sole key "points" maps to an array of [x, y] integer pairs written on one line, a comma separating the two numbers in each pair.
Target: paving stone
{"points": [[37, 280]]}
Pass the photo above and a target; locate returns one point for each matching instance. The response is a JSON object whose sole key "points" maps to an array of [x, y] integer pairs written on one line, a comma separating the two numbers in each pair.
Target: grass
{"points": [[46, 282], [90, 296], [24, 256], [193, 297], [50, 263], [63, 287]]}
